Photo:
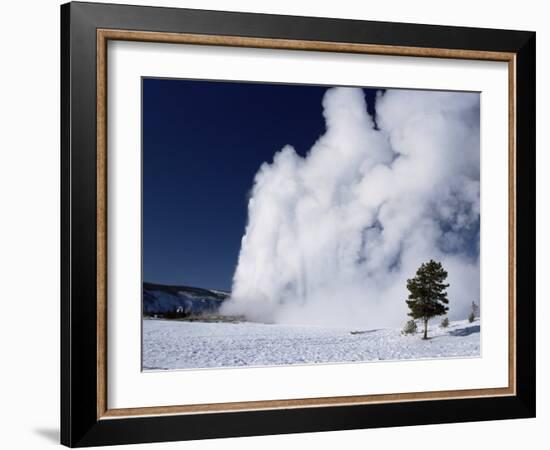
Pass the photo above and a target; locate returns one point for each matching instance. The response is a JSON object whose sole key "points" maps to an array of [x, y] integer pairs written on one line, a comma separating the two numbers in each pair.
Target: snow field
{"points": [[170, 344]]}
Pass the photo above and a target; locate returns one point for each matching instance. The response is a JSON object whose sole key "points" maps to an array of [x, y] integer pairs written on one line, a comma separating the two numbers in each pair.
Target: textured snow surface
{"points": [[171, 344]]}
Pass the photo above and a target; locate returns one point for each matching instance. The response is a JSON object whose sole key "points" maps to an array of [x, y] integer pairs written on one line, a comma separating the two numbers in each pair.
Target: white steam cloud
{"points": [[332, 237]]}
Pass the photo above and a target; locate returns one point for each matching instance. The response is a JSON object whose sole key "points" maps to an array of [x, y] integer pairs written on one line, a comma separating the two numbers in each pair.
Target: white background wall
{"points": [[29, 223]]}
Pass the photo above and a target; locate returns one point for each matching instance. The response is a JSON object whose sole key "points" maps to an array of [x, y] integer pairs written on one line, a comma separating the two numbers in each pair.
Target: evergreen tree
{"points": [[474, 312], [427, 293], [445, 322]]}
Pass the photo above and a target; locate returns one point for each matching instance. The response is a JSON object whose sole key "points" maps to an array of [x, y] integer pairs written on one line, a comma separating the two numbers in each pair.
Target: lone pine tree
{"points": [[427, 293]]}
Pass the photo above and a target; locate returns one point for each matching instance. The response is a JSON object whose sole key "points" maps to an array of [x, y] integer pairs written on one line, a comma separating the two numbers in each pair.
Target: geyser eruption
{"points": [[332, 237]]}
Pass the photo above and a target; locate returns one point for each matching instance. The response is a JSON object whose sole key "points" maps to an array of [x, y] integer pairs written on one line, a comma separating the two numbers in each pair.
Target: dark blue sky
{"points": [[203, 142]]}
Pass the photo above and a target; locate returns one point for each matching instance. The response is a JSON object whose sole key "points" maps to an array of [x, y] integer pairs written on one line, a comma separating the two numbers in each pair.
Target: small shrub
{"points": [[444, 323], [410, 327], [474, 312]]}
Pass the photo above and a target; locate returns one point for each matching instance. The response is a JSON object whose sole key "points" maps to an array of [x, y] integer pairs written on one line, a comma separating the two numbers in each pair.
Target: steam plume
{"points": [[332, 237]]}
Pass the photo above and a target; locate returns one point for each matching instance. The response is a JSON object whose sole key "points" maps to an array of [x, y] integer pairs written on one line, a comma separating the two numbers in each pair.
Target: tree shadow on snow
{"points": [[465, 331]]}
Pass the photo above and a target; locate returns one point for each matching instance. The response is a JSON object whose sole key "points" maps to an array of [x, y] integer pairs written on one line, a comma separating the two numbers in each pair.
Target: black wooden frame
{"points": [[79, 423]]}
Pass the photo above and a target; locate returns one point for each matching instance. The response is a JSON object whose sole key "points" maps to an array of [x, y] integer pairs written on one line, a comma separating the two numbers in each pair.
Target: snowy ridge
{"points": [[160, 299]]}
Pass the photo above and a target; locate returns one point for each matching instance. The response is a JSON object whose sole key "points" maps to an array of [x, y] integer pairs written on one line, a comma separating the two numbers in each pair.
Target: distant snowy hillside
{"points": [[160, 299]]}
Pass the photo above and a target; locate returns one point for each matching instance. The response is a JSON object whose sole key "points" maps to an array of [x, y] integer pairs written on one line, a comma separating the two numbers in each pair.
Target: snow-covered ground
{"points": [[183, 345]]}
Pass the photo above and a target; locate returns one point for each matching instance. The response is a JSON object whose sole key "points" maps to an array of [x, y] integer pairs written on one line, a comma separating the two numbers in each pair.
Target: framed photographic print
{"points": [[277, 224]]}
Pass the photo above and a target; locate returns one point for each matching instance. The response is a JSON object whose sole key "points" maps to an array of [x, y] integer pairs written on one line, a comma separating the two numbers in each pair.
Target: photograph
{"points": [[297, 224]]}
